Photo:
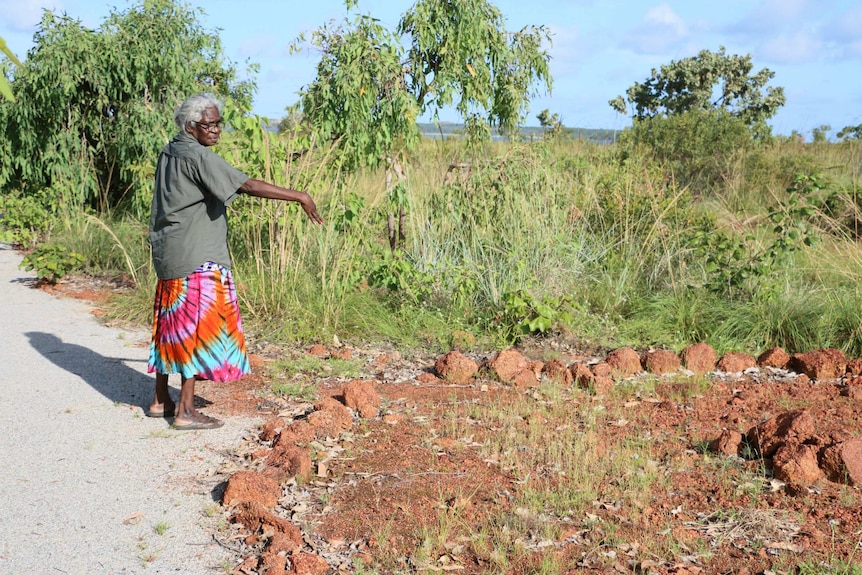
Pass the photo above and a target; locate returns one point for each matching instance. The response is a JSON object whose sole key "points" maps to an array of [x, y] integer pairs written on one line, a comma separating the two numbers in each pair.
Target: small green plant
{"points": [[51, 262], [523, 314], [161, 527]]}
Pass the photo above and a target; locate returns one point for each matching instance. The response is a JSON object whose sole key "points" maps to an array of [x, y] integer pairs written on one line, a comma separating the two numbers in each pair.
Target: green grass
{"points": [[617, 241]]}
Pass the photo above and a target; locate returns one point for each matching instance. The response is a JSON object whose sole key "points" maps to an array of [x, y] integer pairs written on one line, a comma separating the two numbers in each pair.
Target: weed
{"points": [[161, 527]]}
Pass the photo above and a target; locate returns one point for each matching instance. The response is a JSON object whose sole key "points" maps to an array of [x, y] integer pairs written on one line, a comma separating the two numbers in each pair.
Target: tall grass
{"points": [[609, 246]]}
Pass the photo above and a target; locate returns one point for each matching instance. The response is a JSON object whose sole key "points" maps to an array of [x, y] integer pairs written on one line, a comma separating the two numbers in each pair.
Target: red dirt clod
{"points": [[455, 368], [699, 358], [360, 393], [308, 564], [624, 362], [507, 364], [736, 362], [661, 361], [774, 357], [251, 486], [842, 462], [555, 370], [796, 464], [789, 428], [820, 364], [318, 350], [727, 443]]}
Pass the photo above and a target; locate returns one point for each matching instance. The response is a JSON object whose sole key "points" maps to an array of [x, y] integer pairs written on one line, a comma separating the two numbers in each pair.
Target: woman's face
{"points": [[208, 130]]}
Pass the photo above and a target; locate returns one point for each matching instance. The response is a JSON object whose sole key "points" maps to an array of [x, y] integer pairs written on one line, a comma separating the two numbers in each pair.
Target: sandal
{"points": [[199, 421]]}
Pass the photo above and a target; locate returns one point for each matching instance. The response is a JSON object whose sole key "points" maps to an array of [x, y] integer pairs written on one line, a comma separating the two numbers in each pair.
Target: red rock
{"points": [[272, 564], [288, 461], [329, 422], [318, 350], [271, 429], [774, 357], [661, 361], [308, 564], [820, 364], [602, 370], [524, 379], [736, 362], [298, 432], [796, 464], [789, 428], [842, 462], [507, 364], [581, 375], [255, 517], [556, 371], [699, 358], [253, 487], [727, 443], [359, 393], [368, 411], [624, 362], [456, 368]]}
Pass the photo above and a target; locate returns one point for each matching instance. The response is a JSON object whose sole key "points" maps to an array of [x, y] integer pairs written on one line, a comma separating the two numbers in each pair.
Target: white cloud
{"points": [[661, 29], [795, 48]]}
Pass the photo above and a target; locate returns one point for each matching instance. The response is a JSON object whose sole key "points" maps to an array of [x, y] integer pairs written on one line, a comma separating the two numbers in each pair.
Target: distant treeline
{"points": [[452, 130]]}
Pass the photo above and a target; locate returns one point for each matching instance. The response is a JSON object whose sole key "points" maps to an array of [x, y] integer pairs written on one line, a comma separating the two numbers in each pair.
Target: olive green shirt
{"points": [[188, 223]]}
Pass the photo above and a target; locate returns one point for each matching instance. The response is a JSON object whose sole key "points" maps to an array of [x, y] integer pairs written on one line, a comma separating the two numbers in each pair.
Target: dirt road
{"points": [[88, 484]]}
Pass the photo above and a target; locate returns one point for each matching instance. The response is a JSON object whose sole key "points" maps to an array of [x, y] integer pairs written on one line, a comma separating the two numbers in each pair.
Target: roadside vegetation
{"points": [[695, 225]]}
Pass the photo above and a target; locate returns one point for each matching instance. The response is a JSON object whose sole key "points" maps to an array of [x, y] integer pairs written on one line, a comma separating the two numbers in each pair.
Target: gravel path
{"points": [[78, 458]]}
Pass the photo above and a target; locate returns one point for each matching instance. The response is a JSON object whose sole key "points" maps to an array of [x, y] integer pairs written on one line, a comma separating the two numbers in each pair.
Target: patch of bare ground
{"points": [[546, 460], [523, 470]]}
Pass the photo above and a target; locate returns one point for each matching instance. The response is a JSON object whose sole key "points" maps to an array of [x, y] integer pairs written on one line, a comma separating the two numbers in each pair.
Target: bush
{"points": [[696, 148]]}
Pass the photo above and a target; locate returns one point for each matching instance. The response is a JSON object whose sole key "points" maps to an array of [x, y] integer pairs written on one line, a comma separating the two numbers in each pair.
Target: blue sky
{"points": [[600, 47]]}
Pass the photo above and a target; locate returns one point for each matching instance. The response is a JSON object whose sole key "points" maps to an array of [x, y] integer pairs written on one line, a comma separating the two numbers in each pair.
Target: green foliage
{"points": [[698, 147], [460, 53], [24, 219], [523, 314], [850, 133], [95, 106], [51, 262], [737, 263], [369, 91], [708, 81]]}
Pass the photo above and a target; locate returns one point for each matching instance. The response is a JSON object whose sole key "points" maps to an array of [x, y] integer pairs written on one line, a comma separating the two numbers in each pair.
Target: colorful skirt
{"points": [[197, 330]]}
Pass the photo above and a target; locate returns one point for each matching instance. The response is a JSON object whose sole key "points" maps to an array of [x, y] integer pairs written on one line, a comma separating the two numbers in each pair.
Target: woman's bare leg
{"points": [[162, 403]]}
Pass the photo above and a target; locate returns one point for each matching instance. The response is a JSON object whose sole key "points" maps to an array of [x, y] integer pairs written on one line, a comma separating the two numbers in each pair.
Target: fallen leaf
{"points": [[133, 518]]}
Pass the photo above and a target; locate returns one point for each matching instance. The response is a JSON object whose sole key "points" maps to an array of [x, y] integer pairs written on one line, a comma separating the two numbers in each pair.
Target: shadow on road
{"points": [[110, 376]]}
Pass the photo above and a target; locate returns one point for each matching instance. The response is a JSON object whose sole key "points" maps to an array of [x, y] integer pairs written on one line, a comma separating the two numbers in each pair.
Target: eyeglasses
{"points": [[211, 126]]}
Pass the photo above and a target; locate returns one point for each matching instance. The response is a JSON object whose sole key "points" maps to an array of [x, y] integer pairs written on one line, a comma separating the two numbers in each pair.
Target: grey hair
{"points": [[192, 109]]}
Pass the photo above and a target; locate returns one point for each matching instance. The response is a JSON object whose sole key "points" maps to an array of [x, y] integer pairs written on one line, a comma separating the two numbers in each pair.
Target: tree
{"points": [[850, 133], [369, 89], [708, 81], [821, 133], [96, 105]]}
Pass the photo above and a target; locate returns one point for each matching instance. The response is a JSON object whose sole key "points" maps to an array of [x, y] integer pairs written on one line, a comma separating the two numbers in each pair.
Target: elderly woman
{"points": [[197, 330]]}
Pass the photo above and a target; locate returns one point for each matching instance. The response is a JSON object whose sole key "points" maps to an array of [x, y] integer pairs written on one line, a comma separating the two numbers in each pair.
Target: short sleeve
{"points": [[220, 178]]}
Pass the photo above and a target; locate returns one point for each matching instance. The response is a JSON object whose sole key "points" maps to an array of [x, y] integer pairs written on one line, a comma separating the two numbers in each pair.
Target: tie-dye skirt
{"points": [[197, 330]]}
